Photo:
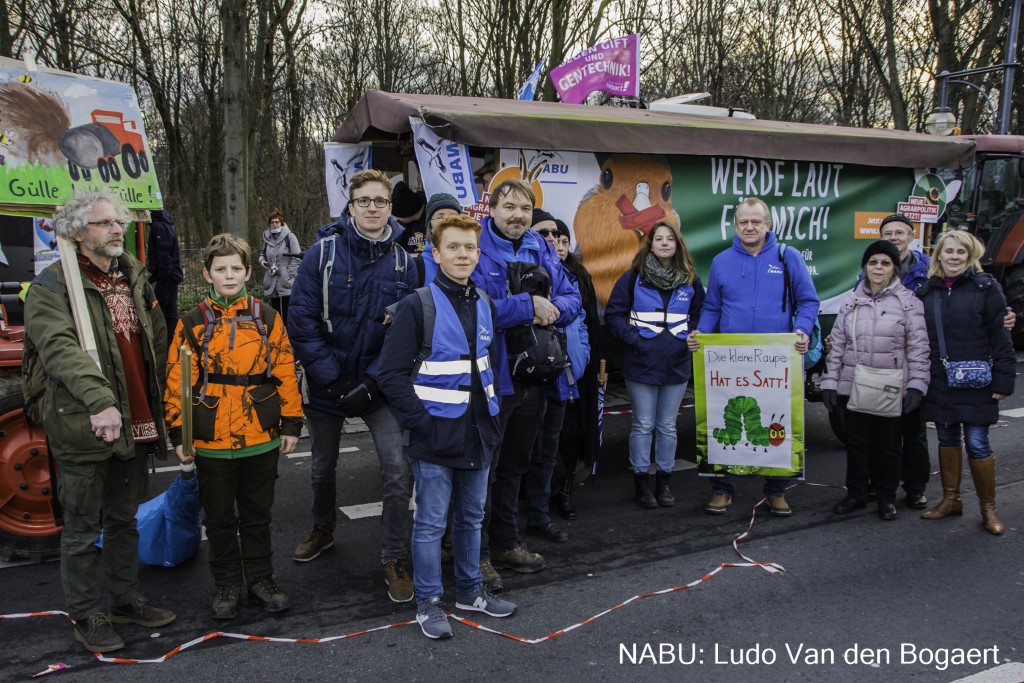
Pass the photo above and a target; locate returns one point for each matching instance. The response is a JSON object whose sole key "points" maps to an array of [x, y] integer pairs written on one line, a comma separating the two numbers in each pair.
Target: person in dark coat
{"points": [[163, 261], [971, 306], [652, 309]]}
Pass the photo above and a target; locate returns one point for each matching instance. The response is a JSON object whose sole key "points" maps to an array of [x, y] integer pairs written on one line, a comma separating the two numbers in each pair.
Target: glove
{"points": [[830, 398], [358, 397], [912, 400]]}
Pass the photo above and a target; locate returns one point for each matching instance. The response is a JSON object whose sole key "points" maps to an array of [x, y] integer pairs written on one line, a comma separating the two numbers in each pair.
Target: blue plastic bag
{"points": [[169, 525]]}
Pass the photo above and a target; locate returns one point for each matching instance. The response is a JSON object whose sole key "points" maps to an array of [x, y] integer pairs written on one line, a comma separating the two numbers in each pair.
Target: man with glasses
{"points": [[101, 420], [336, 324]]}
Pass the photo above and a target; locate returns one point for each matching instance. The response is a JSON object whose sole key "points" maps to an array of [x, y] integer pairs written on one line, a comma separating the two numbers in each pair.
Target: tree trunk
{"points": [[237, 162]]}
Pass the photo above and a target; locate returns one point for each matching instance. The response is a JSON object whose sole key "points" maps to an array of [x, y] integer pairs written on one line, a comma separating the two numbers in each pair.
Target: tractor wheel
{"points": [[130, 162], [27, 526], [73, 171], [144, 162], [86, 174], [115, 172], [101, 166], [1013, 285]]}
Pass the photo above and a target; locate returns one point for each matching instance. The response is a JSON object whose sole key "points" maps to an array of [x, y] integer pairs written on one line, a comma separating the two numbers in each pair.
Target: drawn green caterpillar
{"points": [[744, 412]]}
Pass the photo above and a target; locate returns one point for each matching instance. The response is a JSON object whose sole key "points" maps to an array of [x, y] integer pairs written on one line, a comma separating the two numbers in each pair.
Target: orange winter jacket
{"points": [[236, 414]]}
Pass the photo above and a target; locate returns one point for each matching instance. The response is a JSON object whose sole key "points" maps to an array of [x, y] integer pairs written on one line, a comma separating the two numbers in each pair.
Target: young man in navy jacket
{"points": [[443, 391], [744, 295]]}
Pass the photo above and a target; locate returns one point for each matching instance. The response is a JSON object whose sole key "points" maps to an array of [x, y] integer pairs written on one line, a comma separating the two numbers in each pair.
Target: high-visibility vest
{"points": [[444, 379], [650, 315]]}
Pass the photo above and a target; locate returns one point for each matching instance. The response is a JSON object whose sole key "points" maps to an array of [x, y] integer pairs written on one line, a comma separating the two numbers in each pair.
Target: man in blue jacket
{"points": [[336, 325], [443, 392], [745, 295], [506, 239]]}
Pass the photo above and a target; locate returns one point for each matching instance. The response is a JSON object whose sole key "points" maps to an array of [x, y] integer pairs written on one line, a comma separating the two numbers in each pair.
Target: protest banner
{"points": [[342, 161], [528, 90], [749, 396], [444, 166], [611, 66]]}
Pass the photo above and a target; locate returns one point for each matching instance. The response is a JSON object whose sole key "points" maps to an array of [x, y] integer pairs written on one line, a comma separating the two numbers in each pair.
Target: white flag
{"points": [[444, 165], [342, 161]]}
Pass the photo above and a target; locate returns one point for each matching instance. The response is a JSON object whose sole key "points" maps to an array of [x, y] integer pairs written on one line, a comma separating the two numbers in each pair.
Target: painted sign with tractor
{"points": [[63, 133]]}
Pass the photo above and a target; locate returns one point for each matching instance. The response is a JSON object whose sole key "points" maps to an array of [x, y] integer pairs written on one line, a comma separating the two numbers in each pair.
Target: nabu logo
{"points": [[483, 333], [774, 269]]}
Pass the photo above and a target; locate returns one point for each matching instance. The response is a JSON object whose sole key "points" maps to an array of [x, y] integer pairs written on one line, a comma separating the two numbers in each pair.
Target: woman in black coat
{"points": [[971, 306]]}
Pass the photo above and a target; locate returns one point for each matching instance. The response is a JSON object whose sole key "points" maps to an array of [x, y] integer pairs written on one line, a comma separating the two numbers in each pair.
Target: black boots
{"points": [[664, 495], [563, 501], [643, 494]]}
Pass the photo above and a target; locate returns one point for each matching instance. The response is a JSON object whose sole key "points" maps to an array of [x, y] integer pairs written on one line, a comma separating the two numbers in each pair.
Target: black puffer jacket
{"points": [[972, 322]]}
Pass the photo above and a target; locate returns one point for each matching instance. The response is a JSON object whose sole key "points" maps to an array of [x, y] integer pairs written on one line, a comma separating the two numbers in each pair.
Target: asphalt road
{"points": [[858, 600]]}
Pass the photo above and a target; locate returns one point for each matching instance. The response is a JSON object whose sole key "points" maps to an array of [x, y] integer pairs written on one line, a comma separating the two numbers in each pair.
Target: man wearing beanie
{"points": [[440, 205]]}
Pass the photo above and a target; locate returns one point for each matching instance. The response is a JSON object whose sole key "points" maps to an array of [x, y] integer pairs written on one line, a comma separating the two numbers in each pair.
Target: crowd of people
{"points": [[447, 379]]}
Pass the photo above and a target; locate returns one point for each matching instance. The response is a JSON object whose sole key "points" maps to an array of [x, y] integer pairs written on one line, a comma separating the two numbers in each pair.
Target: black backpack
{"points": [[536, 353]]}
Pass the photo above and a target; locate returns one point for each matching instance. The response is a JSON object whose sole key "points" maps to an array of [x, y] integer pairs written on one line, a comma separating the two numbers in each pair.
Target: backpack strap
{"points": [[325, 278], [788, 296], [256, 311], [426, 296], [210, 321]]}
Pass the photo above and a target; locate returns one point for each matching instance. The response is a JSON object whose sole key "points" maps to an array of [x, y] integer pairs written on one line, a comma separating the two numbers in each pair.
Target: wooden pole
{"points": [[185, 363], [76, 295]]}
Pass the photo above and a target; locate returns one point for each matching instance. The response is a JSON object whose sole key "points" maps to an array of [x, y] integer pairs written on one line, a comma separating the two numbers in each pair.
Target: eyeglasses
{"points": [[109, 224], [364, 202], [547, 232]]}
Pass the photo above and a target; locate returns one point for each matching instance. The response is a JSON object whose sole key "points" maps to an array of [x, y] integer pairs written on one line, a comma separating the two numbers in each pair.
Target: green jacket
{"points": [[72, 386]]}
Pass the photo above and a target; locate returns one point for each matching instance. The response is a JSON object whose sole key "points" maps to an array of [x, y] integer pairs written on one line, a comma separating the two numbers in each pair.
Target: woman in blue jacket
{"points": [[651, 311]]}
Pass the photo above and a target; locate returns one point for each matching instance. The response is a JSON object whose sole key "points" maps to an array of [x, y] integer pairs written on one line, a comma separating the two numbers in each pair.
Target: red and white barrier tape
{"points": [[770, 567]]}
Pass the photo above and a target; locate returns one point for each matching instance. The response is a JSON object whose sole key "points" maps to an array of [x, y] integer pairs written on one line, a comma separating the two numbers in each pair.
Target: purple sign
{"points": [[611, 66]]}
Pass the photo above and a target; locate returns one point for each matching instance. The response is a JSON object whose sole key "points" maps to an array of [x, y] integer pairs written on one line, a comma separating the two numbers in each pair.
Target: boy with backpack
{"points": [[246, 412], [437, 372]]}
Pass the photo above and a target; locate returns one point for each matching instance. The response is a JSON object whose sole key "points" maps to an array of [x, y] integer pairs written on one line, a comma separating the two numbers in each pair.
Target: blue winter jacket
{"points": [[577, 347], [744, 293], [662, 360], [491, 275], [363, 281]]}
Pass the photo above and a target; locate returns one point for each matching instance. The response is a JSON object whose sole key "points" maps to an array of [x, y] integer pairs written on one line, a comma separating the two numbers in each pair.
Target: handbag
{"points": [[876, 391], [961, 374]]}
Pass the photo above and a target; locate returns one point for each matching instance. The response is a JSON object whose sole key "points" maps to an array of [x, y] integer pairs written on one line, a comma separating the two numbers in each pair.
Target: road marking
{"points": [[303, 454], [1007, 673], [1013, 412]]}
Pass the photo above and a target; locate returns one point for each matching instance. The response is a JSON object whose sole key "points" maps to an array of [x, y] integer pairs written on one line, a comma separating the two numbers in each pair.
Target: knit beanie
{"points": [[540, 215], [563, 229], [405, 202], [881, 247], [441, 200]]}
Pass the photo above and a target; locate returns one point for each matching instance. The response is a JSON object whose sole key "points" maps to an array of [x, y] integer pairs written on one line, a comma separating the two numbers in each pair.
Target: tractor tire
{"points": [[115, 171], [144, 162], [1013, 285], [101, 166], [73, 171], [130, 162], [86, 174], [28, 530]]}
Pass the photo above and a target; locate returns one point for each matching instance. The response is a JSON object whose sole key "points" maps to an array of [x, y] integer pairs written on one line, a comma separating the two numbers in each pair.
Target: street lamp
{"points": [[942, 121]]}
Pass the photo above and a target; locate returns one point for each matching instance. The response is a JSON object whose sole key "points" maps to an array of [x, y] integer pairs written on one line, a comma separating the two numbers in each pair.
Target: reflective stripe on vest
{"points": [[650, 316], [444, 380]]}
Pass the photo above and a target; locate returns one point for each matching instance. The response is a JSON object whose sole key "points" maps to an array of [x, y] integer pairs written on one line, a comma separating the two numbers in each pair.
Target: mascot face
{"points": [[633, 193]]}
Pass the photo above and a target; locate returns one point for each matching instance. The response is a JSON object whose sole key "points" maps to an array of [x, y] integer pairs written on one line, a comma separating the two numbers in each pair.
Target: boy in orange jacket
{"points": [[246, 412]]}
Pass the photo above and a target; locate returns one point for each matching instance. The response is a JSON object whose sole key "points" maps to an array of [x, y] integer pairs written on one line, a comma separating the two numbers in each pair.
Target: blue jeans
{"points": [[395, 474], [975, 438], [655, 409], [436, 486], [537, 480]]}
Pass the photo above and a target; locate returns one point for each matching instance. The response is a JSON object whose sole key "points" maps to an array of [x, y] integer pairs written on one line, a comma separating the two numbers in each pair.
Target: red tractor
{"points": [[99, 144]]}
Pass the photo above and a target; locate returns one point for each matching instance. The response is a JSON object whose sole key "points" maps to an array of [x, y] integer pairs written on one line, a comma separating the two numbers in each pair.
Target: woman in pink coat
{"points": [[881, 325]]}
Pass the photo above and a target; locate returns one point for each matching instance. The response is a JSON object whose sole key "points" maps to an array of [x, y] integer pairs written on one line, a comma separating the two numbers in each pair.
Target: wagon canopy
{"points": [[490, 122]]}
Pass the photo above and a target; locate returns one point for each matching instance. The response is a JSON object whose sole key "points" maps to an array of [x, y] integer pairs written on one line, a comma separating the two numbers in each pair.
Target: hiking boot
{"points": [[549, 532], [97, 634], [778, 507], [492, 579], [433, 619], [265, 591], [519, 559], [641, 493], [664, 493], [225, 602], [719, 504], [142, 613], [396, 575], [563, 498], [319, 539], [485, 601]]}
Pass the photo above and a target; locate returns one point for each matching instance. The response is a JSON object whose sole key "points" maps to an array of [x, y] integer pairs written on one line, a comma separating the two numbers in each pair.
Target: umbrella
{"points": [[601, 369]]}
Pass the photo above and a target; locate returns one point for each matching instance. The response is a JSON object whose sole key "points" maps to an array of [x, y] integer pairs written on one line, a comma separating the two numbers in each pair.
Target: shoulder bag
{"points": [[876, 391]]}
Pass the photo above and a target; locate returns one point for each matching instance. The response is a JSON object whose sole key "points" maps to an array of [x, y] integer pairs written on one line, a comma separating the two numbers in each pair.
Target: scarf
{"points": [[665, 279]]}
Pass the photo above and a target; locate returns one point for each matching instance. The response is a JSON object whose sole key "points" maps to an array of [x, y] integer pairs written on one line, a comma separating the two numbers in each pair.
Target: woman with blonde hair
{"points": [[652, 309], [972, 368]]}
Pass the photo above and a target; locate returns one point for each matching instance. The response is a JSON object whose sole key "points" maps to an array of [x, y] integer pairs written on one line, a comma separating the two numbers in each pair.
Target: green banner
{"points": [[749, 395], [62, 134]]}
